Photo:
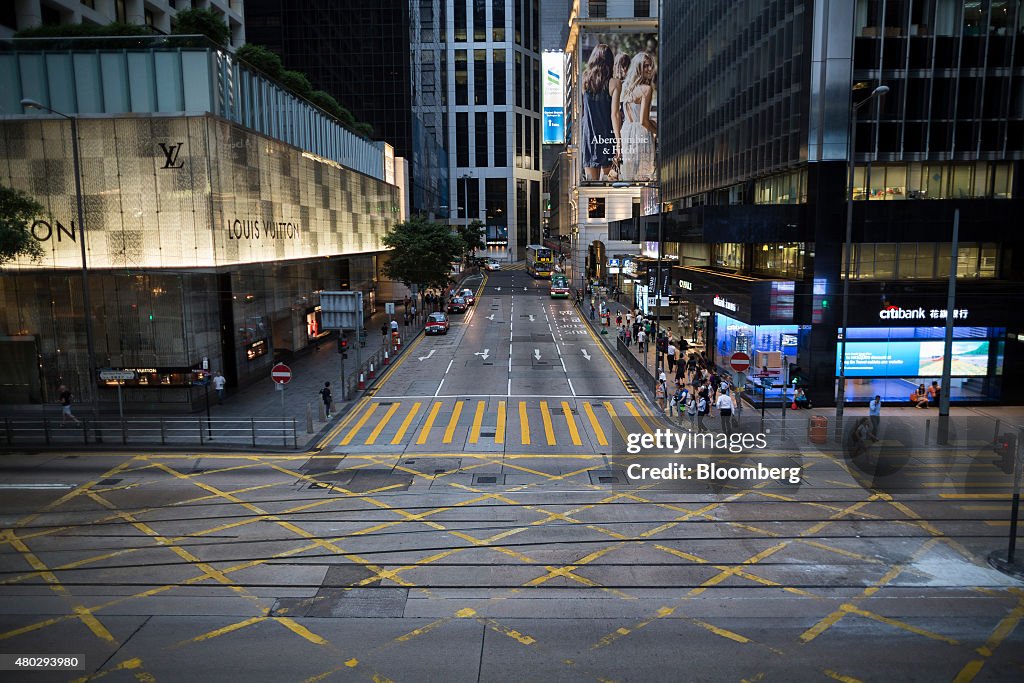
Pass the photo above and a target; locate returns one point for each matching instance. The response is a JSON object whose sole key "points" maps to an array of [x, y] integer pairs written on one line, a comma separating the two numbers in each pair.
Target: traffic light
{"points": [[343, 346]]}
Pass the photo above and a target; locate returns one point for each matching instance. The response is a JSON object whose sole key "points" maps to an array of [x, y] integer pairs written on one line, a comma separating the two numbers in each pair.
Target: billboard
{"points": [[554, 97], [914, 359], [619, 103]]}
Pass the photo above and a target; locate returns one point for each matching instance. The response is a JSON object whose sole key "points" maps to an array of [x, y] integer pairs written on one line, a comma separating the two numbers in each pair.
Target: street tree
{"points": [[471, 237], [422, 252], [17, 211]]}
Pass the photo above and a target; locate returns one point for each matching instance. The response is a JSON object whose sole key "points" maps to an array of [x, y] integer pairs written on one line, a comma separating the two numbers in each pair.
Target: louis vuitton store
{"points": [[204, 241]]}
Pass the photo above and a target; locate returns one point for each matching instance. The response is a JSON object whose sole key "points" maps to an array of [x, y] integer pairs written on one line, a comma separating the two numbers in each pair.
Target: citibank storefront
{"points": [[206, 246]]}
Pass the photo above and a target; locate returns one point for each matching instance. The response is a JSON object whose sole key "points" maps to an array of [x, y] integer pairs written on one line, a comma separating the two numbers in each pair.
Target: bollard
{"points": [[385, 356], [372, 374], [362, 382], [995, 435], [927, 429], [309, 417], [323, 410]]}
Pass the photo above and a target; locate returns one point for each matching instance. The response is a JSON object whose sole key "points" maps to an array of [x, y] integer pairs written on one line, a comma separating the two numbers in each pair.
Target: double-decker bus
{"points": [[539, 261], [559, 286]]}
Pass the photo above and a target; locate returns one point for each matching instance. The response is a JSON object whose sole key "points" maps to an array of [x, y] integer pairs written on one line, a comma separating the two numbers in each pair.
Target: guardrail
{"points": [[165, 431]]}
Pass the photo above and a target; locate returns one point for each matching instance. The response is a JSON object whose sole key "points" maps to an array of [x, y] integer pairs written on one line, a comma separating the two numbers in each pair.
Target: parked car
{"points": [[493, 265], [457, 305], [437, 323], [469, 296]]}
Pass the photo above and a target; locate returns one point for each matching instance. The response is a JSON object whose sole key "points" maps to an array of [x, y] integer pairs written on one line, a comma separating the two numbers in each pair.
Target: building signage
{"points": [[43, 230], [554, 97], [683, 284], [171, 153], [256, 349], [920, 313], [726, 304], [254, 229], [914, 359]]}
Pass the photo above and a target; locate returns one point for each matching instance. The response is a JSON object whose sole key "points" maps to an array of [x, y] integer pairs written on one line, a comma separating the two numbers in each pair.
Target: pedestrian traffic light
{"points": [[343, 346]]}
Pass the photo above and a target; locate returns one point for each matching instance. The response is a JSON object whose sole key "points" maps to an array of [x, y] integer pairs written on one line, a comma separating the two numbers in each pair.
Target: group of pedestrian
{"points": [[697, 389]]}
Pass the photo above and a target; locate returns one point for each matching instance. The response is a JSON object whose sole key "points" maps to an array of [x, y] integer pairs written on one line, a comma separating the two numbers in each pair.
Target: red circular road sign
{"points": [[739, 361], [281, 373]]}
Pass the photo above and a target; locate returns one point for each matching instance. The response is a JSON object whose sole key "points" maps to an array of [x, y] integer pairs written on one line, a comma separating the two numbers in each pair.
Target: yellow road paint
{"points": [[372, 439], [643, 425], [478, 418], [499, 432], [1003, 629], [616, 421], [840, 677], [425, 431], [570, 422], [595, 425], [975, 496], [449, 431], [545, 416], [359, 425], [524, 424], [404, 427], [209, 635], [851, 609]]}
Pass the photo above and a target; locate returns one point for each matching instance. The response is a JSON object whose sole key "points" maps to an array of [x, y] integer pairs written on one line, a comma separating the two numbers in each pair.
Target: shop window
{"points": [[595, 207]]}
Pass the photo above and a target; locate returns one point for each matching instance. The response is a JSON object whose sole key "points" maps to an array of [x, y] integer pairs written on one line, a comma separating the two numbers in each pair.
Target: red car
{"points": [[457, 305], [437, 323]]}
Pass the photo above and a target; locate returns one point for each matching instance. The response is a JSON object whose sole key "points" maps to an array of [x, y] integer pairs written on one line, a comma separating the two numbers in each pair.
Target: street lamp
{"points": [[841, 390], [89, 343]]}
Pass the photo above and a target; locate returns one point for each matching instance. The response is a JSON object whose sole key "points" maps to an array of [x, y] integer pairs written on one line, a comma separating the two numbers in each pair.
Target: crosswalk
{"points": [[486, 423]]}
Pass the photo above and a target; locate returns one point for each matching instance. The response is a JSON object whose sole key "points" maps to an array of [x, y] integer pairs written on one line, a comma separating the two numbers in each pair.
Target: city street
{"points": [[470, 519]]}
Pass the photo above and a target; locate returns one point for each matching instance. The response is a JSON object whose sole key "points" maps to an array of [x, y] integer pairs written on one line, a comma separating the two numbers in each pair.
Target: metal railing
{"points": [[165, 431]]}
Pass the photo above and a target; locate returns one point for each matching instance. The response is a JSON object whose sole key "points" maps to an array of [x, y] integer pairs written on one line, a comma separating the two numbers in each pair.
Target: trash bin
{"points": [[817, 429]]}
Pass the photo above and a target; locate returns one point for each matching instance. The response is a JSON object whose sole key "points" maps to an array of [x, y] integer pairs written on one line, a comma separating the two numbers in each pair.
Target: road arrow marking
{"points": [[485, 353], [531, 318], [536, 354], [491, 317], [585, 354], [497, 289], [524, 289], [428, 355]]}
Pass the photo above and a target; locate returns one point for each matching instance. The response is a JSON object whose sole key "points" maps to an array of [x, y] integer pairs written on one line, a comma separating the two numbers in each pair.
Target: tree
{"points": [[422, 252], [297, 82], [364, 129], [203, 22], [470, 237], [262, 59], [17, 211]]}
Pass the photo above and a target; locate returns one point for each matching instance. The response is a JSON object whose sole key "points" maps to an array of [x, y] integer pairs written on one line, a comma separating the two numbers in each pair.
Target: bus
{"points": [[559, 286], [539, 261]]}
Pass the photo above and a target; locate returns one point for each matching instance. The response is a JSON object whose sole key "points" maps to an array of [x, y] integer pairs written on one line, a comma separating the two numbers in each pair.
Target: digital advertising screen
{"points": [[554, 97], [914, 359]]}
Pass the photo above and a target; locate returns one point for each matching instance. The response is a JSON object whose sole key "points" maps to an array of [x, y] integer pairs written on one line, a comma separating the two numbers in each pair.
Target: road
{"points": [[470, 520]]}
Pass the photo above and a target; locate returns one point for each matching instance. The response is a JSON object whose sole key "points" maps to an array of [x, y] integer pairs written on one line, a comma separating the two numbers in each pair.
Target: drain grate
{"points": [[410, 462], [488, 363], [491, 434], [608, 480], [319, 486], [487, 480], [440, 471]]}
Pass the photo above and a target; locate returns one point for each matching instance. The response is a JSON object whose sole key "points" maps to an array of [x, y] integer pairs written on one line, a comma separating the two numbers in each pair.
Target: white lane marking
{"points": [[449, 366], [39, 487], [562, 361], [571, 388], [508, 392], [436, 393], [428, 355]]}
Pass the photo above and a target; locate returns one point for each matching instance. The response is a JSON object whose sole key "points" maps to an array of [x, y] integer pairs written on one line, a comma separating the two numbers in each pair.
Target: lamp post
{"points": [[841, 390], [80, 208]]}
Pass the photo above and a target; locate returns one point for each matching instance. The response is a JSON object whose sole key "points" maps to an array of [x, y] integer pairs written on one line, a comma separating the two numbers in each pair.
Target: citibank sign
{"points": [[725, 303], [919, 313]]}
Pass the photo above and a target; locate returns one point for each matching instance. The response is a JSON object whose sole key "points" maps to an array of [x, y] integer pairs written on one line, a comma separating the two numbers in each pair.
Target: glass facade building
{"points": [[760, 103]]}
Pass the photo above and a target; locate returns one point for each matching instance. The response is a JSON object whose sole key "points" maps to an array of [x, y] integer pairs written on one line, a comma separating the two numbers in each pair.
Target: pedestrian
{"points": [[384, 332], [724, 405], [593, 311], [680, 372], [325, 396], [691, 410], [218, 385], [641, 341], [702, 411], [659, 395], [875, 413], [629, 337], [64, 396], [935, 393], [671, 356], [618, 320]]}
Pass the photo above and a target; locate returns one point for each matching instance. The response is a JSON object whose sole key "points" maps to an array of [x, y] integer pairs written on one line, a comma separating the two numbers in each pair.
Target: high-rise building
{"points": [[759, 105], [358, 51], [607, 166], [17, 15], [477, 80]]}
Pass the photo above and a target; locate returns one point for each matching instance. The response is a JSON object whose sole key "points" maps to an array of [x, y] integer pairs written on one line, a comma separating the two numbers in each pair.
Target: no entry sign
{"points": [[281, 373], [739, 361]]}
